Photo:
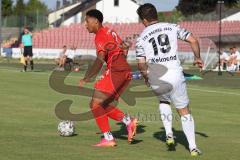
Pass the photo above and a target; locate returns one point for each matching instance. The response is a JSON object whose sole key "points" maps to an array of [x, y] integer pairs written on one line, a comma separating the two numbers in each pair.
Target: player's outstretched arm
{"points": [[196, 50], [94, 70], [142, 67], [29, 32]]}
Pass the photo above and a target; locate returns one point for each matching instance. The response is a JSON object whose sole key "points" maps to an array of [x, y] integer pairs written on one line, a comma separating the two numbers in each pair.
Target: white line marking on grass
{"points": [[212, 91], [49, 72]]}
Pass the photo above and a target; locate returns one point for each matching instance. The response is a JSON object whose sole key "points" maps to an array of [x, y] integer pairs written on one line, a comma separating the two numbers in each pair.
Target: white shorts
{"points": [[170, 87]]}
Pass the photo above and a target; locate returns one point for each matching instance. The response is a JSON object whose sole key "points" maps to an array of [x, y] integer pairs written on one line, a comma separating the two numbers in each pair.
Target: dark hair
{"points": [[96, 14], [147, 11]]}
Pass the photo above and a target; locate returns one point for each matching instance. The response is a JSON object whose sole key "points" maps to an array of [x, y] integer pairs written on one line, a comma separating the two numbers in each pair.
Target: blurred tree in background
{"points": [[32, 14], [6, 8], [190, 7], [174, 16], [18, 13], [35, 5], [19, 8], [36, 12]]}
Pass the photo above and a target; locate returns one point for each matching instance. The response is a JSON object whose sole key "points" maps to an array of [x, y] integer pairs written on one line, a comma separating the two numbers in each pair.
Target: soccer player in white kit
{"points": [[156, 52]]}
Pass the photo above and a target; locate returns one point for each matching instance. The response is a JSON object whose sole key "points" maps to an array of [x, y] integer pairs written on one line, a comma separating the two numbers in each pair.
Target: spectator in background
{"points": [[76, 52], [15, 43], [7, 48], [9, 45], [71, 54], [76, 57], [232, 60], [235, 50], [27, 44], [237, 54], [223, 60], [61, 60]]}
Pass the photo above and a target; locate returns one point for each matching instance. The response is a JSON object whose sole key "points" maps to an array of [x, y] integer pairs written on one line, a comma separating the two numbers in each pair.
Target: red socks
{"points": [[101, 116]]}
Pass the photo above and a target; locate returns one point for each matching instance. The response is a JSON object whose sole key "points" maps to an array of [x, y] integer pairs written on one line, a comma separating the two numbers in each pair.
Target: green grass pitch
{"points": [[28, 124]]}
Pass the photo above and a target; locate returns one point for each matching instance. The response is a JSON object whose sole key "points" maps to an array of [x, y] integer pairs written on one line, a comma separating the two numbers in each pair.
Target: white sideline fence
{"points": [[40, 53]]}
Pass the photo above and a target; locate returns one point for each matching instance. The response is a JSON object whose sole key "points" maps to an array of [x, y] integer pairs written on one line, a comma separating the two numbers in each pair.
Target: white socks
{"points": [[187, 124], [189, 130], [166, 116], [126, 120], [108, 136]]}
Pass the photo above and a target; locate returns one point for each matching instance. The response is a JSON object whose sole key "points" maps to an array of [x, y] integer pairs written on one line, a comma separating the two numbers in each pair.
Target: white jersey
{"points": [[158, 44], [70, 54], [224, 56], [238, 55]]}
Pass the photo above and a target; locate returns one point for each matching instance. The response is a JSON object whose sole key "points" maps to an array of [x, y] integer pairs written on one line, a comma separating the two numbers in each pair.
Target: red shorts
{"points": [[113, 83]]}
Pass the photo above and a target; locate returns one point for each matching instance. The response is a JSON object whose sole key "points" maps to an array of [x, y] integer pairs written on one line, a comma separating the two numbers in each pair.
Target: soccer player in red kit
{"points": [[112, 50]]}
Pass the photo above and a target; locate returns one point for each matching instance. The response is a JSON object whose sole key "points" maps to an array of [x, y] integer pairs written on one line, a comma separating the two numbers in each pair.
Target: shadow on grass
{"points": [[122, 132], [74, 135], [180, 138]]}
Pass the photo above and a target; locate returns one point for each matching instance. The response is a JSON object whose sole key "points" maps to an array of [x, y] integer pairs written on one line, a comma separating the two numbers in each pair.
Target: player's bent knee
{"points": [[183, 111], [95, 102]]}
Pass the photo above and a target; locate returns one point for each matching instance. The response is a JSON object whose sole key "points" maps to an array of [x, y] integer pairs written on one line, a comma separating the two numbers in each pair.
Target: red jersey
{"points": [[109, 42]]}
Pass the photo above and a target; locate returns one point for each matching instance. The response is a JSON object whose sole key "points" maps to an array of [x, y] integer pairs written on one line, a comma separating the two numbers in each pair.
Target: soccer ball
{"points": [[66, 128]]}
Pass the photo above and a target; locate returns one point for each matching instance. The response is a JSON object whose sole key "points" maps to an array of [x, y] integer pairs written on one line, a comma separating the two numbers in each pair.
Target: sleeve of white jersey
{"points": [[140, 53], [182, 33]]}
